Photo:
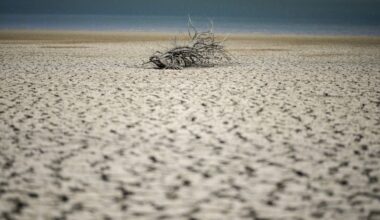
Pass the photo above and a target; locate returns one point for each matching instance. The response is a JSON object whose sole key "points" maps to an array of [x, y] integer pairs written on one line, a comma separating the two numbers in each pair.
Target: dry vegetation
{"points": [[201, 50]]}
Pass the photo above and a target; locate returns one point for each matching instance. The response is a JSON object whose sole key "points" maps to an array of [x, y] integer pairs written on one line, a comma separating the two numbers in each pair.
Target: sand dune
{"points": [[289, 130]]}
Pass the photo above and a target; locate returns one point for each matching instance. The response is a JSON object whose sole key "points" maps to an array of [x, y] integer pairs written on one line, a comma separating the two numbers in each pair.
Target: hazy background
{"points": [[358, 17]]}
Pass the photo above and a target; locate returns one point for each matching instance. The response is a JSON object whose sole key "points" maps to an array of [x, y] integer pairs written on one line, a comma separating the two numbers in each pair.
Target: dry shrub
{"points": [[202, 50]]}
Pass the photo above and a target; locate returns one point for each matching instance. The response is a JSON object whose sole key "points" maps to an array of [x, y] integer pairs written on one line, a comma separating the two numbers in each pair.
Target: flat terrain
{"points": [[289, 130]]}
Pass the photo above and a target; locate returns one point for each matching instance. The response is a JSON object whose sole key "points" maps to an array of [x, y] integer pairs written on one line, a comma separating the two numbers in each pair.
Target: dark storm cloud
{"points": [[362, 10]]}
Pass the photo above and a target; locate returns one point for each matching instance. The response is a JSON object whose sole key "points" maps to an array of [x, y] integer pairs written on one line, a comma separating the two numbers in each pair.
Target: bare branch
{"points": [[191, 26], [211, 26]]}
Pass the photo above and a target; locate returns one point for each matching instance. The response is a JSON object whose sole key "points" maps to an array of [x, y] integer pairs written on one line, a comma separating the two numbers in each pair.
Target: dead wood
{"points": [[201, 50]]}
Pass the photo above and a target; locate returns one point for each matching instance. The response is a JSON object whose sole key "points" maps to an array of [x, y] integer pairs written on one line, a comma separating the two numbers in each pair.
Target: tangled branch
{"points": [[202, 50]]}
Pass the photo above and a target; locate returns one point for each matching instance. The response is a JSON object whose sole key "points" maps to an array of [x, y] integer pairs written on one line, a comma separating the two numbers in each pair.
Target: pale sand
{"points": [[291, 131]]}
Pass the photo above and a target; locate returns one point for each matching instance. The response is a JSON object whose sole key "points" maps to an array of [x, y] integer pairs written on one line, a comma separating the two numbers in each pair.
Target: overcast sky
{"points": [[355, 10]]}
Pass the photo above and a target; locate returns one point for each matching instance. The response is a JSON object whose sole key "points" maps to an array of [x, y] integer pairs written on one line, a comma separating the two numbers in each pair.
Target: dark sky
{"points": [[355, 10]]}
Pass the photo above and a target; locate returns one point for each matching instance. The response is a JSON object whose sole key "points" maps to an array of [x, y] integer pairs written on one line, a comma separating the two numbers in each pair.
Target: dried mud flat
{"points": [[289, 132]]}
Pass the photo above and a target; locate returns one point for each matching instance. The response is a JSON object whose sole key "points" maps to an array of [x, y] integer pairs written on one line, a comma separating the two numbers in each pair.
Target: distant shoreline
{"points": [[70, 36], [178, 24]]}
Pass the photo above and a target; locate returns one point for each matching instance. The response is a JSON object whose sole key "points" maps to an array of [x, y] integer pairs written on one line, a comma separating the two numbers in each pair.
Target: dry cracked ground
{"points": [[288, 131]]}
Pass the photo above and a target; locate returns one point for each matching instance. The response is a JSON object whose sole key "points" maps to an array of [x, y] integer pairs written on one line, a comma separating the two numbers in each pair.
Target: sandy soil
{"points": [[290, 131]]}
